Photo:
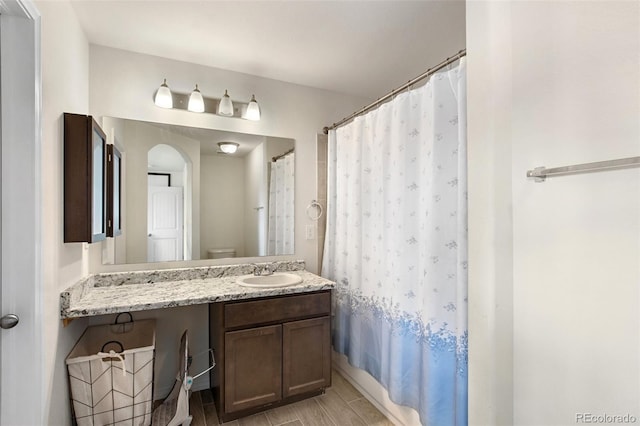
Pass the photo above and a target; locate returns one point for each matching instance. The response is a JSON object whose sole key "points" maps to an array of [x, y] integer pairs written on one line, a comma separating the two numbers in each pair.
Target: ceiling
{"points": [[363, 48]]}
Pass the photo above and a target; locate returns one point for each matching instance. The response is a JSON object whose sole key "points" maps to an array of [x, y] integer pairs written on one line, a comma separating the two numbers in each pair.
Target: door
{"points": [[21, 349], [164, 223], [253, 367], [306, 356]]}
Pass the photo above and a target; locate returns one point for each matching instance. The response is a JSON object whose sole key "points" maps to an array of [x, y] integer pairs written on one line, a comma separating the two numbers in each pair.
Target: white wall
{"points": [[65, 85], [191, 218], [490, 217], [222, 203], [554, 266]]}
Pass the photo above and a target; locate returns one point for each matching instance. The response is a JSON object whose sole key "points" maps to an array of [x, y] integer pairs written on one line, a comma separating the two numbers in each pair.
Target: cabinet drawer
{"points": [[279, 309]]}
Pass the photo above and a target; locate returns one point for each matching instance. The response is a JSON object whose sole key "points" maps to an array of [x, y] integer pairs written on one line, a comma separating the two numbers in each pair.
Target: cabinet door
{"points": [[253, 367], [306, 356], [84, 180]]}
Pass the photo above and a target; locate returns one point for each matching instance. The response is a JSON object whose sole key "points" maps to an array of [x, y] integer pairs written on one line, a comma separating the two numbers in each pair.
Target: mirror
{"points": [[185, 199]]}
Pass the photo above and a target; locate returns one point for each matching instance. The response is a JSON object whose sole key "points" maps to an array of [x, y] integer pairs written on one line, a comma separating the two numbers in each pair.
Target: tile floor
{"points": [[341, 405]]}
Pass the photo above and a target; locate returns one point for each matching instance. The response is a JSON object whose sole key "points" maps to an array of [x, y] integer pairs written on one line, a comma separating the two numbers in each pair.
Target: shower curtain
{"points": [[396, 245], [281, 219]]}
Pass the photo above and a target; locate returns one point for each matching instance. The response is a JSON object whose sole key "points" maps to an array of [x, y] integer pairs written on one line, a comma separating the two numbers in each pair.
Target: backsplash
{"points": [[181, 274]]}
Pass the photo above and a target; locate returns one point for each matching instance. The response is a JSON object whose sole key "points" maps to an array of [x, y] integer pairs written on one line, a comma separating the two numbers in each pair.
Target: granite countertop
{"points": [[144, 290]]}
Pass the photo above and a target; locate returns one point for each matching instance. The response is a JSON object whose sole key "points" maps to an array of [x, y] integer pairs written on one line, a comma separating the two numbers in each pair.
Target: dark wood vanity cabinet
{"points": [[269, 352]]}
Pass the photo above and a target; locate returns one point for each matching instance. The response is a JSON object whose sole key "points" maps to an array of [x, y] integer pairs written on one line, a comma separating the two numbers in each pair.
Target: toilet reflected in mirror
{"points": [[222, 253]]}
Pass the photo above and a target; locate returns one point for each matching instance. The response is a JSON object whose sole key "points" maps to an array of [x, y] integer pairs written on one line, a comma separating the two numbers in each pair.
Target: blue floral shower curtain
{"points": [[396, 245]]}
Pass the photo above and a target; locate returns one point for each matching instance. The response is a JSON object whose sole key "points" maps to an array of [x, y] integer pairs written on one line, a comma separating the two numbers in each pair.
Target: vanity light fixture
{"points": [[253, 110], [228, 147], [196, 102], [163, 97], [225, 107]]}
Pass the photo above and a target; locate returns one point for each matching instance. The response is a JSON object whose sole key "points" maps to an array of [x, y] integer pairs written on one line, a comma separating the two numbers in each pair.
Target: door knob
{"points": [[9, 321], [149, 234]]}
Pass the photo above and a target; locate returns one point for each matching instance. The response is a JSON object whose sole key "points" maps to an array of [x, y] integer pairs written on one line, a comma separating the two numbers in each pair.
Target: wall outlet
{"points": [[311, 232]]}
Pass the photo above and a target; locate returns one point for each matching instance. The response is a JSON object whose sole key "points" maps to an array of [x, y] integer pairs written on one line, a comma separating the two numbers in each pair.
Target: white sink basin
{"points": [[278, 279]]}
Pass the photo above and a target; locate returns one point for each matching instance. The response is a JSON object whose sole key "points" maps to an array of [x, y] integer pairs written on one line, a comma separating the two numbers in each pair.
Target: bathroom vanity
{"points": [[270, 351], [271, 344]]}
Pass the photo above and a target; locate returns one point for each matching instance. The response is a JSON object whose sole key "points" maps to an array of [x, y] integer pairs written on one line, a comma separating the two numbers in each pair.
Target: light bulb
{"points": [[163, 97], [225, 107], [253, 110], [196, 102]]}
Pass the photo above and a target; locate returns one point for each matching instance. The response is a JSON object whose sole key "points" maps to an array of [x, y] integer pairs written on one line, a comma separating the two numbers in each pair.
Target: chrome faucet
{"points": [[264, 269]]}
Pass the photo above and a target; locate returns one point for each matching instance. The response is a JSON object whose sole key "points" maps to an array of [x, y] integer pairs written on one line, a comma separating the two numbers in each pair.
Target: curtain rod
{"points": [[277, 157], [410, 83]]}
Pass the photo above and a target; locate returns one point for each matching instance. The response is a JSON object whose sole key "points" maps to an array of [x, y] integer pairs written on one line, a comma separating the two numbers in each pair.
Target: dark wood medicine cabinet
{"points": [[92, 182]]}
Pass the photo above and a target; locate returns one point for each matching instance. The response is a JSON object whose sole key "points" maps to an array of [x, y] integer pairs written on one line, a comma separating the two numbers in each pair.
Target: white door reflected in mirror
{"points": [[164, 209]]}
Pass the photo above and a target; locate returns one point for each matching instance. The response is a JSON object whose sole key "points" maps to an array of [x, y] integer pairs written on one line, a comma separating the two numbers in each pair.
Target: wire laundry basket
{"points": [[111, 374]]}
